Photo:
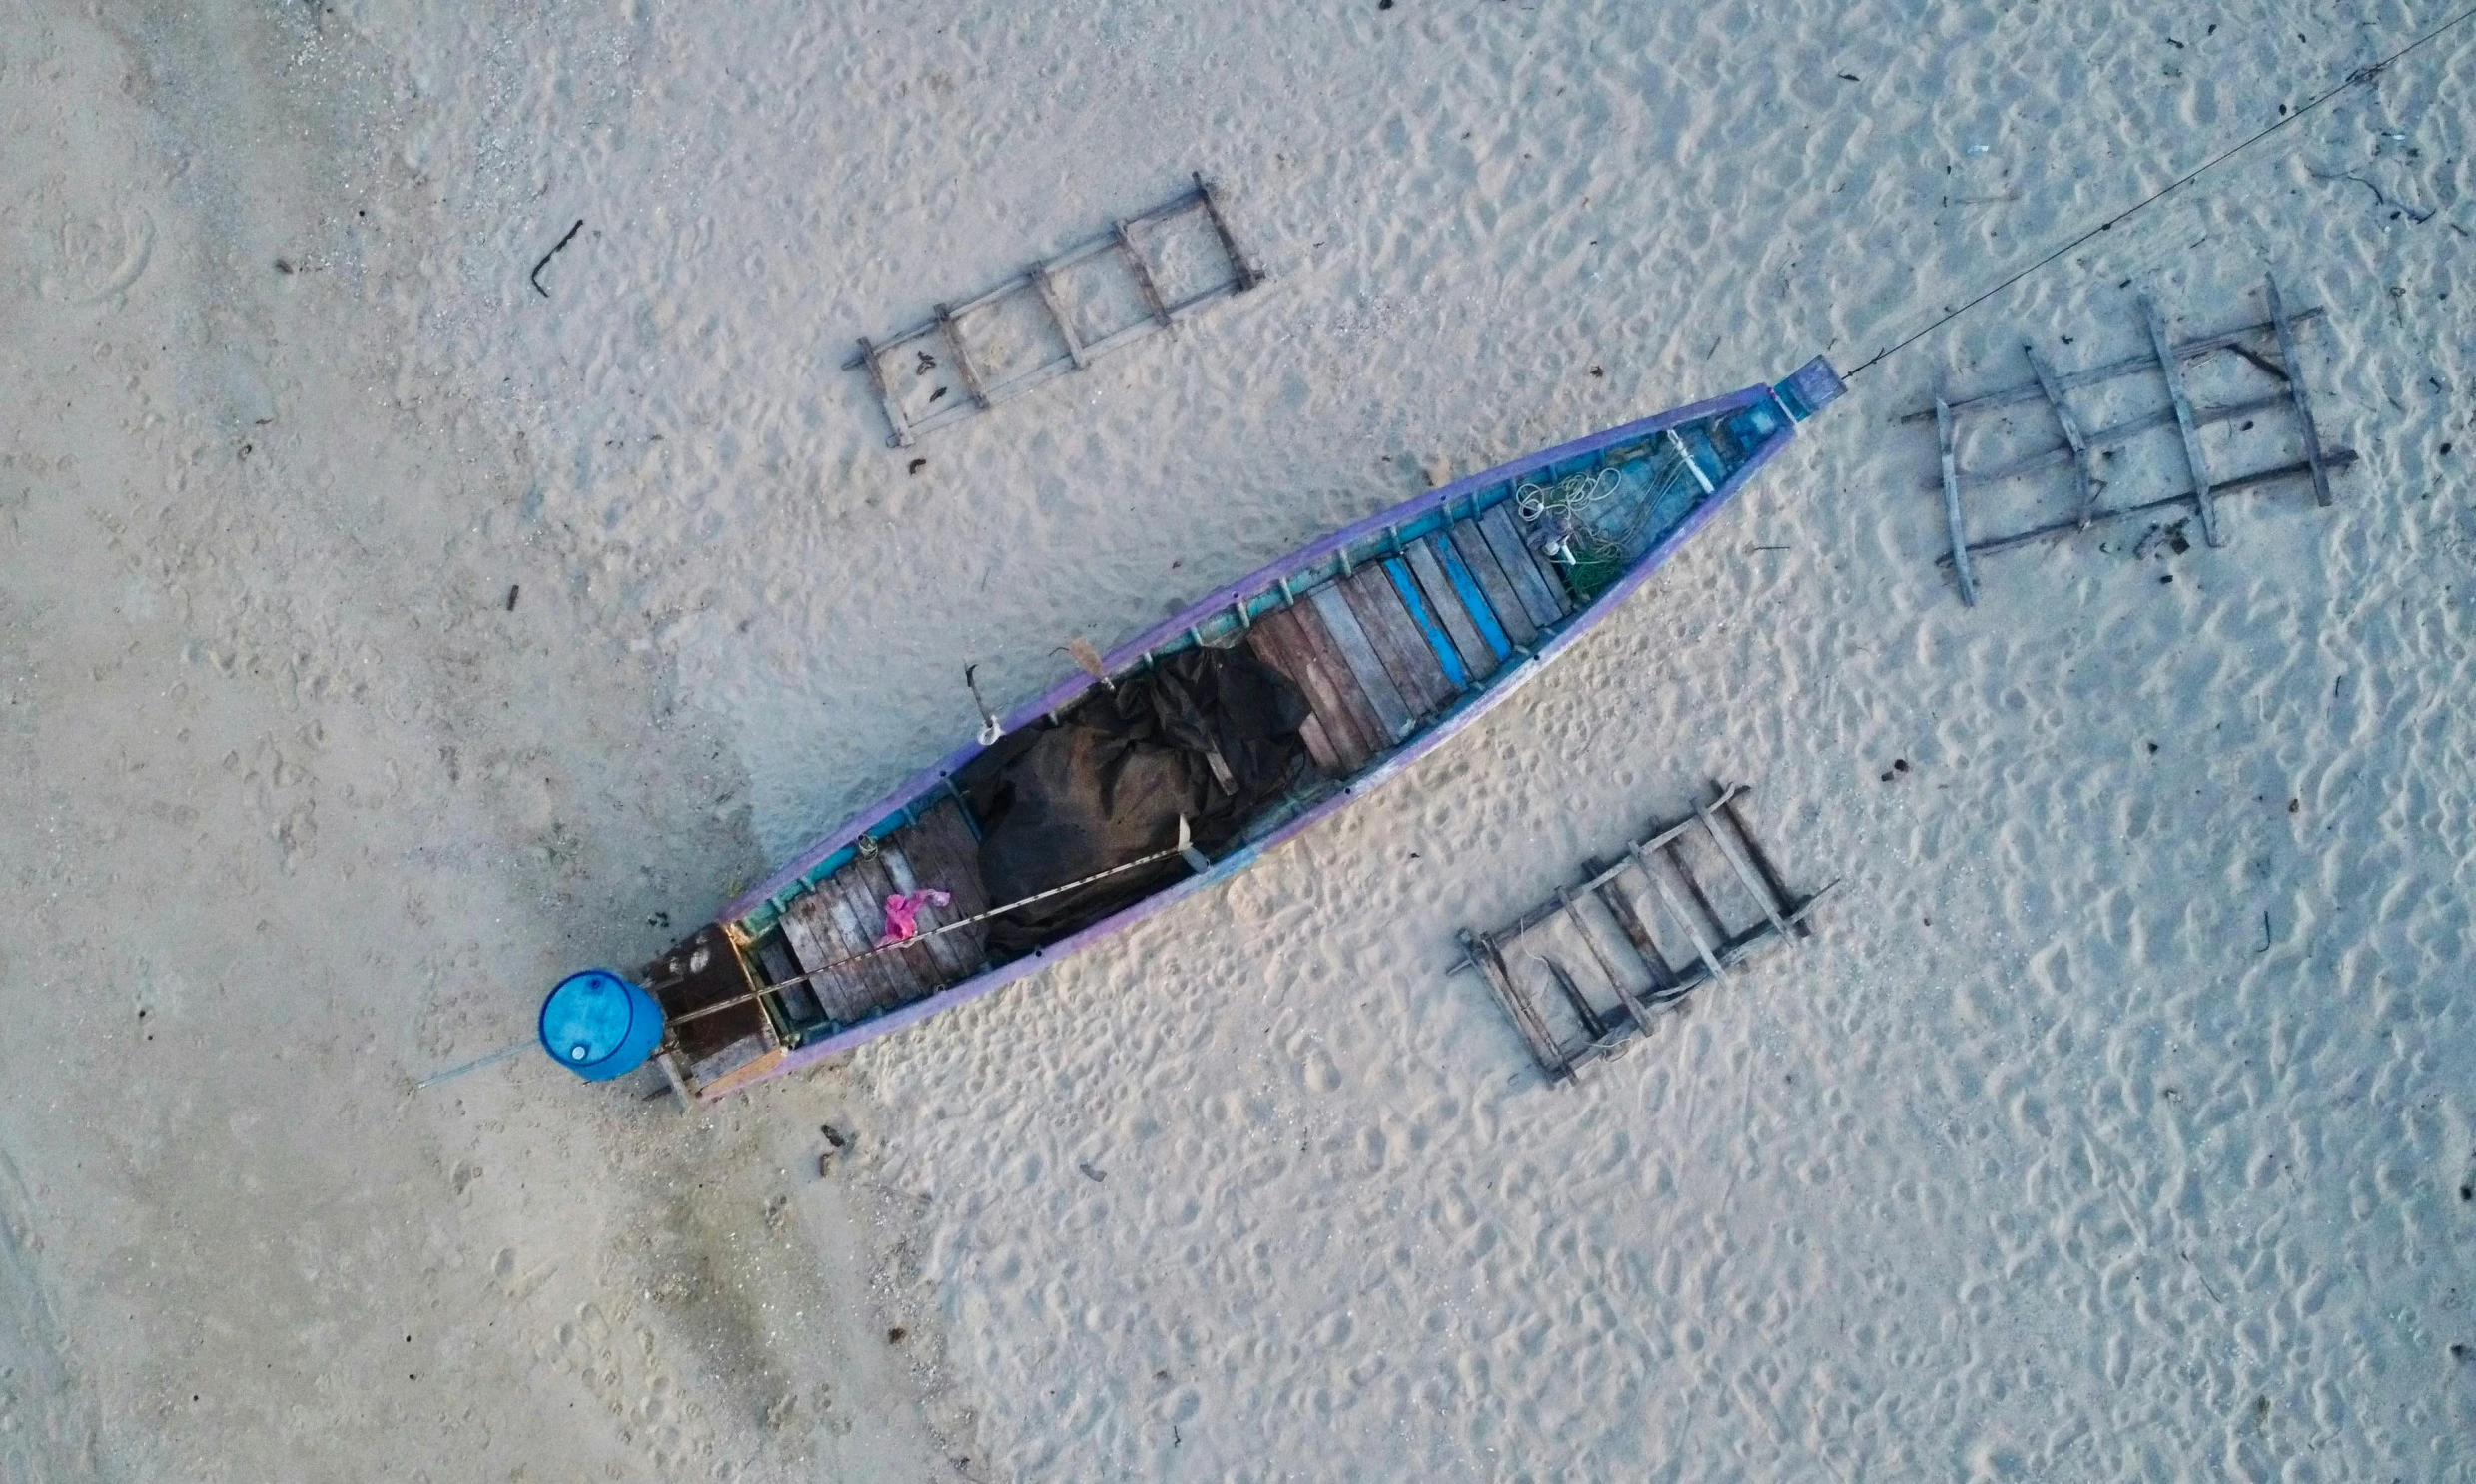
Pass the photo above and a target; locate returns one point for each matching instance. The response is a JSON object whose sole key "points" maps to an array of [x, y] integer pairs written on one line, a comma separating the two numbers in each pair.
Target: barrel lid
{"points": [[586, 1018]]}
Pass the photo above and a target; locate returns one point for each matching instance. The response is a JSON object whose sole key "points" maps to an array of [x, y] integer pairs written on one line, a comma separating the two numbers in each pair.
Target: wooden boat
{"points": [[1393, 634]]}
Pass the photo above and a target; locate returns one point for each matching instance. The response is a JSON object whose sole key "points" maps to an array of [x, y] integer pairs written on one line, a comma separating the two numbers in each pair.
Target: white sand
{"points": [[2043, 1160]]}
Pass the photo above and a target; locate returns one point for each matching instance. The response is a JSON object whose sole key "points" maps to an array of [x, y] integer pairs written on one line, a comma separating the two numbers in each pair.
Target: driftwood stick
{"points": [[2071, 434], [1952, 516], [2303, 402]]}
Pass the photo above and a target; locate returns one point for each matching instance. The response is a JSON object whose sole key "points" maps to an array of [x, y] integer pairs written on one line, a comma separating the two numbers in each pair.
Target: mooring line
{"points": [[2354, 79]]}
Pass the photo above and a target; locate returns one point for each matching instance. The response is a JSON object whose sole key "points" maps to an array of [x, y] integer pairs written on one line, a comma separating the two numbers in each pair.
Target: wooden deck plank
{"points": [[1358, 655], [817, 937], [1478, 658], [1505, 540], [1413, 596], [2173, 369], [1316, 642], [1276, 641], [2294, 372], [1474, 601], [1471, 543], [1403, 649], [1953, 519]]}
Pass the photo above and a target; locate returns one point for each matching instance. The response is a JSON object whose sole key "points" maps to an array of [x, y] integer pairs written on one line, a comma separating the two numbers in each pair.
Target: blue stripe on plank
{"points": [[1437, 640], [1474, 599]]}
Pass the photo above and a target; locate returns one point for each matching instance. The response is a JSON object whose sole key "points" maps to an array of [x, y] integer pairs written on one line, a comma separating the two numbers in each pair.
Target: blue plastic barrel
{"points": [[599, 1025]]}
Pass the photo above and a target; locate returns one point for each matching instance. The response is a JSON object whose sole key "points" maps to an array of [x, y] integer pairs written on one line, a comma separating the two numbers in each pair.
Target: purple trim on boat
{"points": [[1065, 691], [1436, 736]]}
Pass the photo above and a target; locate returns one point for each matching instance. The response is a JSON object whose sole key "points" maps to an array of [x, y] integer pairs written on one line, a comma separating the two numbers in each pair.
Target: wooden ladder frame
{"points": [[1125, 239], [1710, 947], [2166, 358]]}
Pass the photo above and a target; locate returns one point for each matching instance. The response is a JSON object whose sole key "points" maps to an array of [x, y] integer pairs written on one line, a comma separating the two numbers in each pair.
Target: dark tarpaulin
{"points": [[1211, 734]]}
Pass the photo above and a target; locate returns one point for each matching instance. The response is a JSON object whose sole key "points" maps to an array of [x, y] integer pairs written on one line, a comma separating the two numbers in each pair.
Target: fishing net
{"points": [[1208, 734]]}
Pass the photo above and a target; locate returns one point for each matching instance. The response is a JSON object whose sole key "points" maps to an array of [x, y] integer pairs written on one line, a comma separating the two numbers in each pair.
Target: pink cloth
{"points": [[903, 913]]}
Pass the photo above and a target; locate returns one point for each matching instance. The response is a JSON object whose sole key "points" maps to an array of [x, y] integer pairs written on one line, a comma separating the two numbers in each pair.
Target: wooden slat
{"points": [[1319, 747], [2173, 369], [1472, 598], [1471, 544], [2191, 349], [926, 854], [1611, 894], [1952, 518], [1478, 659], [901, 437], [1142, 275], [2335, 458], [1358, 655], [962, 354], [1406, 587], [2072, 439], [1276, 641], [1682, 913], [2115, 433], [1047, 283], [1397, 641], [1243, 275], [1754, 887], [1516, 1004], [1634, 1006], [1317, 642], [1520, 568], [823, 930], [1726, 804], [2294, 372], [1583, 1011]]}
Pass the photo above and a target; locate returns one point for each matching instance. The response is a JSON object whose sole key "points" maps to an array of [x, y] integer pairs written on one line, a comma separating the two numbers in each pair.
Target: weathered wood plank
{"points": [[1317, 640], [2294, 370], [1726, 804], [2193, 457], [1634, 1008], [1478, 658], [1754, 886], [1375, 681], [1242, 272], [901, 432], [1583, 1011], [1952, 518], [1628, 918], [2334, 458], [1047, 283], [1397, 641], [1474, 602], [1516, 1004], [1276, 641], [1138, 266], [1677, 910], [2072, 439], [1406, 587], [1504, 600], [1504, 538], [2191, 349], [962, 357]]}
